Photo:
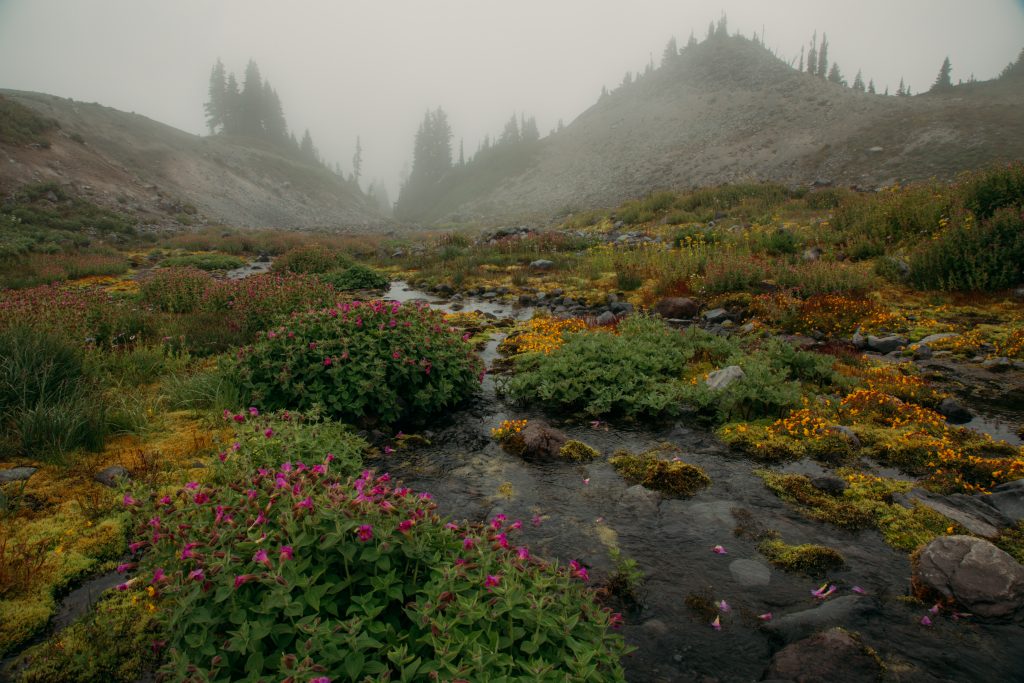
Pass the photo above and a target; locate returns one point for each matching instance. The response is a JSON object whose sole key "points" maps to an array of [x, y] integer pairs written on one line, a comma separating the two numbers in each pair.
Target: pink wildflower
{"points": [[196, 575], [327, 362], [254, 412], [492, 580], [287, 553], [405, 525], [261, 557], [128, 501], [268, 432], [364, 532]]}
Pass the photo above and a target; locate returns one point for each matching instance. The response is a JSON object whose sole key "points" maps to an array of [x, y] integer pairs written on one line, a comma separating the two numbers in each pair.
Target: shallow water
{"points": [[587, 508]]}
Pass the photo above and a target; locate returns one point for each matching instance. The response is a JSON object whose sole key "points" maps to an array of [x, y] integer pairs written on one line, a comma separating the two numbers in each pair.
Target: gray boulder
{"points": [[16, 474], [677, 307], [720, 379], [886, 344], [967, 511], [954, 412], [606, 318], [1007, 499], [932, 338], [980, 577], [750, 573], [542, 264]]}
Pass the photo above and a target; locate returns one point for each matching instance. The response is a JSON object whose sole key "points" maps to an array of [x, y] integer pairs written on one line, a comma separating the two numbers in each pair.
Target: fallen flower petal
{"points": [[723, 606], [925, 621], [717, 624], [719, 550], [767, 616]]}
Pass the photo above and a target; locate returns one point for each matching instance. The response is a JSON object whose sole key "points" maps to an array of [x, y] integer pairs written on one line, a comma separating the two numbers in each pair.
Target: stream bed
{"points": [[581, 511]]}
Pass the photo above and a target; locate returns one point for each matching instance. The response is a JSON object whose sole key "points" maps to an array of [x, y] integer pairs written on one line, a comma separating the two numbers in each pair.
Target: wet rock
{"points": [[655, 627], [16, 474], [677, 307], [858, 340], [834, 656], [720, 379], [639, 501], [1007, 499], [976, 574], [606, 318], [797, 341], [525, 299], [923, 352], [954, 413], [834, 486], [490, 294], [542, 264], [444, 289], [750, 573], [263, 258], [112, 475], [967, 511], [886, 344], [716, 315], [1018, 294], [715, 515], [540, 440], [835, 612]]}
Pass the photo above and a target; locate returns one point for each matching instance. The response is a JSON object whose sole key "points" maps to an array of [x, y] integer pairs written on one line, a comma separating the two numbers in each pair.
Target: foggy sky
{"points": [[372, 67]]}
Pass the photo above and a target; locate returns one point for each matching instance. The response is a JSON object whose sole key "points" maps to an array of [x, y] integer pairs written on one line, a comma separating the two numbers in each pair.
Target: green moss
{"points": [[808, 558], [1012, 541], [22, 618], [672, 477], [577, 451], [798, 489], [112, 643]]}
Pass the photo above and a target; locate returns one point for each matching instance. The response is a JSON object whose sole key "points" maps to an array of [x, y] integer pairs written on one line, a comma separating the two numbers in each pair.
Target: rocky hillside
{"points": [[165, 176], [727, 110]]}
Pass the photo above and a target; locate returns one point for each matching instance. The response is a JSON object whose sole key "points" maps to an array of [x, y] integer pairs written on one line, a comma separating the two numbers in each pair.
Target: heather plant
{"points": [[299, 573], [210, 261], [973, 256], [364, 362]]}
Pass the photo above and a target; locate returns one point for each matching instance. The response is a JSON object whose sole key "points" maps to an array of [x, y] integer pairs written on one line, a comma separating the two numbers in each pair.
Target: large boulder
{"points": [[16, 474], [977, 575], [834, 656], [886, 344], [954, 412], [542, 441], [677, 307], [1008, 499], [835, 612]]}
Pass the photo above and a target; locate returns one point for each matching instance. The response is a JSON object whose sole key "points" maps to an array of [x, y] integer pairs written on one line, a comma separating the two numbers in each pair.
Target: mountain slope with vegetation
{"points": [[164, 176], [728, 110]]}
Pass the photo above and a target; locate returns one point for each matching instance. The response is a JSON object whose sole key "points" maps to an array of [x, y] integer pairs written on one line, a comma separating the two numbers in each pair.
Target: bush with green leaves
{"points": [[298, 573], [363, 362], [176, 290], [635, 373], [356, 277]]}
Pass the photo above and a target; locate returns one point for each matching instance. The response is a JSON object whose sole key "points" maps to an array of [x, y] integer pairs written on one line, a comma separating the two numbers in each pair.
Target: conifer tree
{"points": [[823, 57], [510, 135], [812, 56], [306, 148], [871, 87], [250, 111], [274, 125], [943, 81], [836, 76], [711, 29], [462, 154], [232, 105], [528, 130], [691, 41], [218, 94], [801, 67], [722, 30], [671, 52], [357, 161], [858, 82], [902, 90]]}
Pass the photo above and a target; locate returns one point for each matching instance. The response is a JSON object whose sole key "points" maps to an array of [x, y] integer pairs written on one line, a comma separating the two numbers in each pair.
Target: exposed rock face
{"points": [[677, 307], [1008, 499], [979, 576], [831, 657], [542, 441], [970, 512]]}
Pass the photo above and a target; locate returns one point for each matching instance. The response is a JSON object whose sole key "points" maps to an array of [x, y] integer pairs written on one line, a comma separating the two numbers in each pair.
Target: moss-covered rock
{"points": [[807, 558], [577, 451], [798, 489], [670, 477]]}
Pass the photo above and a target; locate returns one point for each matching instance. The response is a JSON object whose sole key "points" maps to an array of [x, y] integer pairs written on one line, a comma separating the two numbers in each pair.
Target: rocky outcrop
{"points": [[833, 656], [677, 307]]}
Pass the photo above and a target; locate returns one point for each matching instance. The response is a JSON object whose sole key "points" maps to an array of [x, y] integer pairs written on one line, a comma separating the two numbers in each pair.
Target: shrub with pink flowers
{"points": [[365, 362], [301, 573]]}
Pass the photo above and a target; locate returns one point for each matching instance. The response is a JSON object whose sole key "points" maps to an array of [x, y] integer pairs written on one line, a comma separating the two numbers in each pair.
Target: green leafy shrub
{"points": [[175, 290], [114, 642], [311, 259], [672, 477], [204, 261], [635, 373], [355, 277], [372, 362], [987, 256], [296, 573], [986, 192]]}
